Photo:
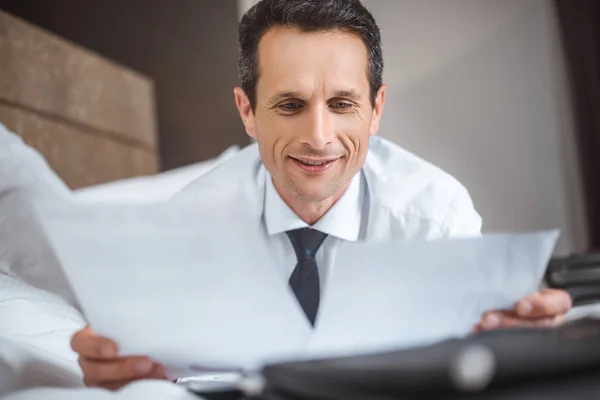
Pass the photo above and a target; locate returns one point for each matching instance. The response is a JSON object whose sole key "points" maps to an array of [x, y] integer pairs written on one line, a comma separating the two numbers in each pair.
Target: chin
{"points": [[311, 197], [312, 194]]}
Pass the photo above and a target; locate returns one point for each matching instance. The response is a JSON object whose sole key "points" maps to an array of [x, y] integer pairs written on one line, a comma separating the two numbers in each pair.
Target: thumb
{"points": [[87, 344]]}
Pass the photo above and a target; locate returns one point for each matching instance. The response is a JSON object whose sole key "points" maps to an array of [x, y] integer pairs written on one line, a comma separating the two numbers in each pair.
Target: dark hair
{"points": [[309, 16]]}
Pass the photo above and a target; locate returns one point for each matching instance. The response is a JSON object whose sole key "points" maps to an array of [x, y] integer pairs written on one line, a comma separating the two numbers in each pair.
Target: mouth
{"points": [[314, 166]]}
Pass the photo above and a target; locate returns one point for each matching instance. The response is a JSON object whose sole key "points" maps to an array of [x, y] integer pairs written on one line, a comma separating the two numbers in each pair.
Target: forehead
{"points": [[290, 59]]}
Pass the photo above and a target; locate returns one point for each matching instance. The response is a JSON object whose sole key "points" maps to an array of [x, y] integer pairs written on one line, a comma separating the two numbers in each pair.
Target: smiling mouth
{"points": [[313, 162], [314, 166]]}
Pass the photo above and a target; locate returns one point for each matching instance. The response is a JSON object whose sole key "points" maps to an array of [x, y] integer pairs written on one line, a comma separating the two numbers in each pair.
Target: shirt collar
{"points": [[343, 220]]}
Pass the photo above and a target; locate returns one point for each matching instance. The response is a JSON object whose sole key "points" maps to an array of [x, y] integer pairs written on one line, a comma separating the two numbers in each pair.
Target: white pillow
{"points": [[26, 178], [38, 310], [23, 366], [159, 187], [139, 390], [24, 168]]}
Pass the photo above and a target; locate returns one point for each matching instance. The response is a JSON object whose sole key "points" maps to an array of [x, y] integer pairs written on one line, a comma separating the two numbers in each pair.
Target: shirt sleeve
{"points": [[35, 334], [460, 218]]}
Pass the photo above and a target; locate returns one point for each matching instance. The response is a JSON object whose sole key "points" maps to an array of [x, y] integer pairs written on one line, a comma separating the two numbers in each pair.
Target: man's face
{"points": [[313, 114]]}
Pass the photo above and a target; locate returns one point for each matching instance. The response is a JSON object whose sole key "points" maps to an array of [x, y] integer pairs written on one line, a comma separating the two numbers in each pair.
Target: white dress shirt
{"points": [[341, 222], [395, 196]]}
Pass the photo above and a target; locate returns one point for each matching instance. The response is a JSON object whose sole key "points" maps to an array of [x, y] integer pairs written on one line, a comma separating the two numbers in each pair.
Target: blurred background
{"points": [[503, 94]]}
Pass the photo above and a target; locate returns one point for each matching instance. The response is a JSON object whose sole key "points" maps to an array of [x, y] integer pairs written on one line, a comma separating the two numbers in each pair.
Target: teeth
{"points": [[307, 162]]}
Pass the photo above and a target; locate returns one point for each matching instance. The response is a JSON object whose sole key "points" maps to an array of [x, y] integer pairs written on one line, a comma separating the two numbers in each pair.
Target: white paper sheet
{"points": [[189, 286], [384, 296], [194, 286]]}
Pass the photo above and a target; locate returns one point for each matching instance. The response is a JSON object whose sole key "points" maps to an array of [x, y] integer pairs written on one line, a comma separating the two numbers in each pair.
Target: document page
{"points": [[196, 288], [190, 286], [383, 296]]}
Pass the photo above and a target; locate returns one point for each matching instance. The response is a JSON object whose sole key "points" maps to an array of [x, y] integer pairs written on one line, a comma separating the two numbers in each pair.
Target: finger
{"points": [[98, 373], [479, 326], [545, 304], [498, 320], [116, 385], [89, 345], [158, 372]]}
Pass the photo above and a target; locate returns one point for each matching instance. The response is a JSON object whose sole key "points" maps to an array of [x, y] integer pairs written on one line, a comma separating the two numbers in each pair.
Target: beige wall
{"points": [[92, 119], [244, 5], [478, 88]]}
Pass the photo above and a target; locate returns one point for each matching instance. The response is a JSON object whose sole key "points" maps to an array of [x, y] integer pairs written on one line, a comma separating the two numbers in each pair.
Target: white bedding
{"points": [[38, 312], [151, 188], [155, 390], [36, 324]]}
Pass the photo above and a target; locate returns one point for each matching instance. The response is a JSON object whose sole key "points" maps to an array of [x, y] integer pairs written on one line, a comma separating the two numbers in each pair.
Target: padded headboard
{"points": [[93, 120]]}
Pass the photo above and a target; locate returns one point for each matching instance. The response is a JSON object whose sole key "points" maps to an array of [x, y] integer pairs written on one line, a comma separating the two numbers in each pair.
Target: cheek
{"points": [[290, 128], [275, 128], [271, 138], [354, 132], [279, 134]]}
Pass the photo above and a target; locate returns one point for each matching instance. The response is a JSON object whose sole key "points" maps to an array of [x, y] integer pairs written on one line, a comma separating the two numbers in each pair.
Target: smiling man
{"points": [[312, 97]]}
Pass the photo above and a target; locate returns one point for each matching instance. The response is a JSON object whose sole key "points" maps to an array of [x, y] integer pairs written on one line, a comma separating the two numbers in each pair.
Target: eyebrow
{"points": [[282, 95], [349, 93]]}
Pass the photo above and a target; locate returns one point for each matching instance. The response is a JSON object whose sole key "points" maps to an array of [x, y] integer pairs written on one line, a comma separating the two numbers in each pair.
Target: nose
{"points": [[319, 133]]}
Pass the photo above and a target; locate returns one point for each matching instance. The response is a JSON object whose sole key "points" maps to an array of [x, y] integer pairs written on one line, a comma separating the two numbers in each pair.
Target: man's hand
{"points": [[546, 308], [102, 366]]}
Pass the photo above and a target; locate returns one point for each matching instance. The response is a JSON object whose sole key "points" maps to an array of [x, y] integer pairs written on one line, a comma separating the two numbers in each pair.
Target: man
{"points": [[312, 97]]}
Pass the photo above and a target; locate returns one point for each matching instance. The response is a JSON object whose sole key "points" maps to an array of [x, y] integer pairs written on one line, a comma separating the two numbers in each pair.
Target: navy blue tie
{"points": [[305, 278]]}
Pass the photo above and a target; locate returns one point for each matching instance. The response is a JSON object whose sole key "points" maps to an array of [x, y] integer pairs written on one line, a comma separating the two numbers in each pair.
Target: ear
{"points": [[245, 109], [377, 110]]}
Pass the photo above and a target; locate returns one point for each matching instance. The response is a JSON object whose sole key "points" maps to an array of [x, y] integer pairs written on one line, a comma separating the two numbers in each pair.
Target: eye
{"points": [[340, 105], [291, 106]]}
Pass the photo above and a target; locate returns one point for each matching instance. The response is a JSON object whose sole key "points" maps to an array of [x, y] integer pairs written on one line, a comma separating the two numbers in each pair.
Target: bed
{"points": [[71, 124]]}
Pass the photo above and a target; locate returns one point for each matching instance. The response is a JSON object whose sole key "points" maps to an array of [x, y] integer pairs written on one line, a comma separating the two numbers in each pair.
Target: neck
{"points": [[310, 212]]}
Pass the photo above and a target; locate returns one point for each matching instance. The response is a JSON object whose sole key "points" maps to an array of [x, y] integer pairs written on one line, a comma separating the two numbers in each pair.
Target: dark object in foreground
{"points": [[492, 365], [578, 274], [559, 363]]}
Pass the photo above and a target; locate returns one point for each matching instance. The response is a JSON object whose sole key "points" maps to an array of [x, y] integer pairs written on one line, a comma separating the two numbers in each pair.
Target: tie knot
{"points": [[306, 242]]}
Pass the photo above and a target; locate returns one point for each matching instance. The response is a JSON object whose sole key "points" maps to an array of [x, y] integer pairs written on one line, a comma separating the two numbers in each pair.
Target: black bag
{"points": [[577, 274], [561, 363]]}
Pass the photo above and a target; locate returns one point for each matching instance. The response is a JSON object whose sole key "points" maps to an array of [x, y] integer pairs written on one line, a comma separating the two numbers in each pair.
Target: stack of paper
{"points": [[194, 287]]}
